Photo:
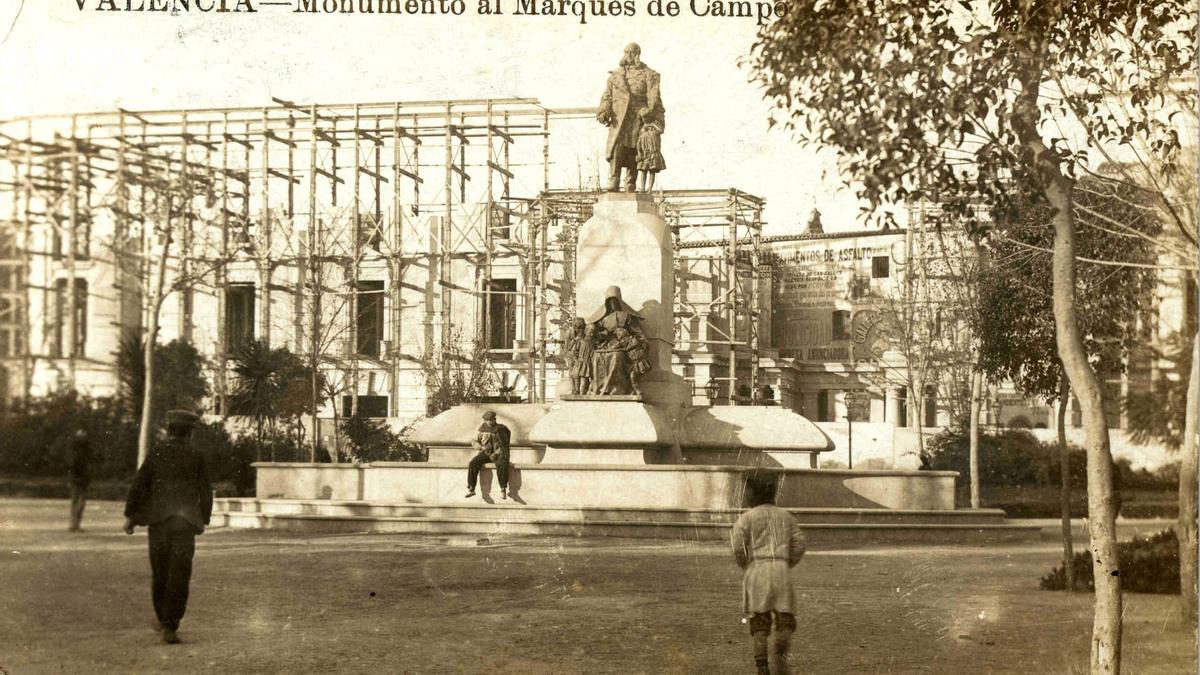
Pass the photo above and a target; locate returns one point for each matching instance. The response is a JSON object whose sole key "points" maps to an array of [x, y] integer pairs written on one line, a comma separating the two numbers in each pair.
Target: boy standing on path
{"points": [[767, 543]]}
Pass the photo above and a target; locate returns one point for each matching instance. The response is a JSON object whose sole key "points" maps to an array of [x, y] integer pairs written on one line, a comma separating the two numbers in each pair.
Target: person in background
{"points": [[767, 544], [173, 496], [79, 476]]}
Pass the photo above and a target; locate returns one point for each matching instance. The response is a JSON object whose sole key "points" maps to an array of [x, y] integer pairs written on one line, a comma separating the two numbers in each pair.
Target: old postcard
{"points": [[597, 336]]}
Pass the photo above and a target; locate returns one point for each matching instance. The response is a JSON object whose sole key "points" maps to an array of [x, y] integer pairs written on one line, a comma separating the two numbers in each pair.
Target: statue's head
{"points": [[632, 55], [612, 296]]}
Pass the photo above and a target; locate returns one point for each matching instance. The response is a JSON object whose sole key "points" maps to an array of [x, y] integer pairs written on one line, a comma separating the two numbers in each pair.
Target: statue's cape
{"points": [[602, 312]]}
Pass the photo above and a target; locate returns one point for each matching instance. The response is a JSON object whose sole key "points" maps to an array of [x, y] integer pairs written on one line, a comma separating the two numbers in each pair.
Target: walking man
{"points": [[767, 543], [491, 444], [79, 476], [173, 496]]}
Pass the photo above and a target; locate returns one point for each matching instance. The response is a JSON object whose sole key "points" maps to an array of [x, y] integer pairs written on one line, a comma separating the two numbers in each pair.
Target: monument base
{"points": [[693, 503]]}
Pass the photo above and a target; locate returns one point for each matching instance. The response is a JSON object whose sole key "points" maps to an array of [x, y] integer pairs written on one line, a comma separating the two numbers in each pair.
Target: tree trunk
{"points": [[1187, 494], [314, 383], [916, 409], [259, 438], [160, 275], [976, 402], [1102, 509], [1064, 463]]}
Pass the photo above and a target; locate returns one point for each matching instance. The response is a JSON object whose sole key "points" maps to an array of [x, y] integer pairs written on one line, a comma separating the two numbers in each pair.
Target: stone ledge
{"points": [[603, 424], [751, 427]]}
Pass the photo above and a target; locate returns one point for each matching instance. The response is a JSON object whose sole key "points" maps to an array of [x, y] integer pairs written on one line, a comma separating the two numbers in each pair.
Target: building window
{"points": [[369, 318], [1189, 306], [83, 236], [502, 313], [10, 328], [825, 406], [879, 267], [931, 406], [61, 306], [860, 287], [239, 316], [841, 324], [1112, 404], [369, 232], [368, 406], [501, 220]]}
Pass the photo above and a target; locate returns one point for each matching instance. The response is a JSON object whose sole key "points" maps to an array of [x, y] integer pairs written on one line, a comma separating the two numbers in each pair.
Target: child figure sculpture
{"points": [[579, 350], [634, 346], [649, 154]]}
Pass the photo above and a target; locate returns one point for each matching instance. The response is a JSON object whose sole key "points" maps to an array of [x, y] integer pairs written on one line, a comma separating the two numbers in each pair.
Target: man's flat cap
{"points": [[182, 418]]}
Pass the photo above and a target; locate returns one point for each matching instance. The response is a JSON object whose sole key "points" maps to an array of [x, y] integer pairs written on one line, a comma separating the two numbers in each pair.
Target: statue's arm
{"points": [[605, 114], [654, 97]]}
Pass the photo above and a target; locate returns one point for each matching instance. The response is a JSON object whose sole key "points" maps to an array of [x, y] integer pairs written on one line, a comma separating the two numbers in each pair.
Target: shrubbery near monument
{"points": [[1021, 475], [1147, 565], [370, 440]]}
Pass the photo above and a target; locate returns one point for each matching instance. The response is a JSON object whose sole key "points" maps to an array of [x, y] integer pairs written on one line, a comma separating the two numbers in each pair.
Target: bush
{"points": [[1166, 477], [1016, 457], [1149, 565], [178, 376], [370, 440], [229, 459], [1011, 457], [36, 439]]}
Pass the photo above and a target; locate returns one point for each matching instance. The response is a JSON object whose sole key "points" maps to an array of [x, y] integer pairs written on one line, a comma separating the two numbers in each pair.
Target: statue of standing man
{"points": [[631, 100]]}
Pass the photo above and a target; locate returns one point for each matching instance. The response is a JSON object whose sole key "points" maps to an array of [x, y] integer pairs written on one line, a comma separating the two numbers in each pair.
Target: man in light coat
{"points": [[767, 543]]}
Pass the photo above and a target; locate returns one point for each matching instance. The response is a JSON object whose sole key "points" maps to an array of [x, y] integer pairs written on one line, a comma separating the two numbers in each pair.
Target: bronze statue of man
{"points": [[631, 99]]}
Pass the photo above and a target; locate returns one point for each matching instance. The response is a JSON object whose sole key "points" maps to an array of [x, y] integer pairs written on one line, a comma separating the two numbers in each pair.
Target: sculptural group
{"points": [[606, 353]]}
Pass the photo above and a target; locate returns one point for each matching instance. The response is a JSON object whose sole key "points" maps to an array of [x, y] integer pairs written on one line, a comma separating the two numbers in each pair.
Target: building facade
{"points": [[387, 245]]}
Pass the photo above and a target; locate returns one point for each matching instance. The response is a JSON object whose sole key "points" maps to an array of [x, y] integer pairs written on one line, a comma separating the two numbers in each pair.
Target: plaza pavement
{"points": [[280, 603]]}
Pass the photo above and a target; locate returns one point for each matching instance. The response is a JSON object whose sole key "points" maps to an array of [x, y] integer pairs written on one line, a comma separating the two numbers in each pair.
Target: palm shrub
{"points": [[262, 382]]}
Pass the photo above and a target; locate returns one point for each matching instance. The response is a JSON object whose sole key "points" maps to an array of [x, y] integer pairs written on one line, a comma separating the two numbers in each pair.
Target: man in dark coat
{"points": [[79, 476], [631, 97], [172, 495], [491, 444]]}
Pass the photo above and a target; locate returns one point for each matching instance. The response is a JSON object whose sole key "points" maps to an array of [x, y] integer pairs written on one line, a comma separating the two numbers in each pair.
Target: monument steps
{"points": [[513, 511], [824, 525]]}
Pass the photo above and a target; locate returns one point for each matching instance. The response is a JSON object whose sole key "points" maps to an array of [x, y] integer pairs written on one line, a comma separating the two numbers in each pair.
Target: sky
{"points": [[58, 59]]}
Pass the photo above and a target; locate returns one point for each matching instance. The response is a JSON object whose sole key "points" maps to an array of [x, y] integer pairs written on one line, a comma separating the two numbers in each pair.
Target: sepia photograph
{"points": [[599, 336]]}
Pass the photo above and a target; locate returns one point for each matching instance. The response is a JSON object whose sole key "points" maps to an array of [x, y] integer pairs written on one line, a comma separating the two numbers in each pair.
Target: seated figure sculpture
{"points": [[619, 347]]}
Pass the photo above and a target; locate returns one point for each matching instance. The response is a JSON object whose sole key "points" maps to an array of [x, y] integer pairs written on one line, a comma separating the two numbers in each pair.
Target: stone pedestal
{"points": [[625, 243], [595, 430]]}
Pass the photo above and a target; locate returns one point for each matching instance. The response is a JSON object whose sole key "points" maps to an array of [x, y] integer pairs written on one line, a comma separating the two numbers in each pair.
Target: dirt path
{"points": [[270, 602]]}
